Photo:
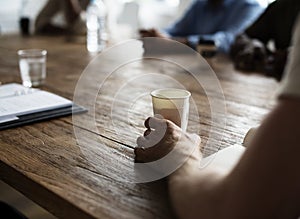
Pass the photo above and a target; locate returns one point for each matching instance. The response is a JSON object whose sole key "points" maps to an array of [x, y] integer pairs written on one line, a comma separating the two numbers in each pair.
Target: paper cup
{"points": [[172, 104]]}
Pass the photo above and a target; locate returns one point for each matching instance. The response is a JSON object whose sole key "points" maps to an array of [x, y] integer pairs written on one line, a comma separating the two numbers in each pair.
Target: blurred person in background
{"points": [[217, 21], [71, 9]]}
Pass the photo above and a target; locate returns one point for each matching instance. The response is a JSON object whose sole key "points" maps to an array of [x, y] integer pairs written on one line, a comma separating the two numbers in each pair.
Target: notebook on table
{"points": [[20, 105]]}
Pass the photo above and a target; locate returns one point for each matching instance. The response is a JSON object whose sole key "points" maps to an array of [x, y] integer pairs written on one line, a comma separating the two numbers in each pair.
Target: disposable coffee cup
{"points": [[172, 104]]}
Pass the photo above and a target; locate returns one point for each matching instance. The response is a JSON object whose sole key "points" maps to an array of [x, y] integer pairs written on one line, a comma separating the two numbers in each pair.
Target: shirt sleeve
{"points": [[238, 19], [290, 86], [183, 26]]}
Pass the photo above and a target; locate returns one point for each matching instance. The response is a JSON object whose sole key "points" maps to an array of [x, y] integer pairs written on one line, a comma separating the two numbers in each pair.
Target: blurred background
{"points": [[125, 15]]}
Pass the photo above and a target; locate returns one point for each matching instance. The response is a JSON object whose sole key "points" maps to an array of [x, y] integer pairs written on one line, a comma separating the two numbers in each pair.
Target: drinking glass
{"points": [[32, 63]]}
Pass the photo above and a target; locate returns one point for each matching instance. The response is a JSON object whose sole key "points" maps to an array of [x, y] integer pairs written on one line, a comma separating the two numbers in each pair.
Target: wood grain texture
{"points": [[90, 177], [79, 181]]}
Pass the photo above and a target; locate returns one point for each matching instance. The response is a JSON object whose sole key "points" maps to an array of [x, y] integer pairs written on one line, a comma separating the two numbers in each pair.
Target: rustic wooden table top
{"points": [[82, 167]]}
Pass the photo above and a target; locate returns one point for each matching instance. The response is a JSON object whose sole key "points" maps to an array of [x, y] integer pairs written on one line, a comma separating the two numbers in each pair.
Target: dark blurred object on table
{"points": [[24, 26], [251, 50], [207, 48]]}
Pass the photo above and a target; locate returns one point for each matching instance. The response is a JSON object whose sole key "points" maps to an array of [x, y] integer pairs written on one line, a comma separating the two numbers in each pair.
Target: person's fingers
{"points": [[146, 123], [142, 141], [154, 123], [153, 147], [140, 155], [152, 138], [148, 32], [145, 33], [143, 155], [248, 60], [152, 30], [155, 133], [144, 30], [245, 60], [147, 132]]}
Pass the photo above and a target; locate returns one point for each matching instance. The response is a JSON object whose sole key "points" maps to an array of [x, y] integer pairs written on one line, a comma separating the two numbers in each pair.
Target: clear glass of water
{"points": [[32, 63]]}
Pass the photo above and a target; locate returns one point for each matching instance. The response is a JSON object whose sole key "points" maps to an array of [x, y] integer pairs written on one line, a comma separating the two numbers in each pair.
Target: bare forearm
{"points": [[193, 190], [262, 185]]}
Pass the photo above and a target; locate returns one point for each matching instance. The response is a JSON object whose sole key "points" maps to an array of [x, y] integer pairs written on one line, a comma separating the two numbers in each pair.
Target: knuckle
{"points": [[140, 141]]}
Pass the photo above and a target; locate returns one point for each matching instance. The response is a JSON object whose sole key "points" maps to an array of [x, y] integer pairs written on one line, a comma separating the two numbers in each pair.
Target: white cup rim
{"points": [[157, 93]]}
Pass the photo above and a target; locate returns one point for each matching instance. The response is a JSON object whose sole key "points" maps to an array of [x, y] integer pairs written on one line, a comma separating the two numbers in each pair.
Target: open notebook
{"points": [[20, 105]]}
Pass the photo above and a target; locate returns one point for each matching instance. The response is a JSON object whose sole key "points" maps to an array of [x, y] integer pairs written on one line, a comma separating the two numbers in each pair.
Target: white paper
{"points": [[27, 101], [225, 159], [13, 89], [7, 118]]}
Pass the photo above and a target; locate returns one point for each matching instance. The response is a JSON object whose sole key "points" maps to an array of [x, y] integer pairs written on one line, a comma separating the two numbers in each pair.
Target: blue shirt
{"points": [[220, 24]]}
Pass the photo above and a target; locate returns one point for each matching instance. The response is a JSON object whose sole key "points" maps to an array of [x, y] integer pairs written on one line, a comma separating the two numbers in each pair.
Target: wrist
{"points": [[189, 168]]}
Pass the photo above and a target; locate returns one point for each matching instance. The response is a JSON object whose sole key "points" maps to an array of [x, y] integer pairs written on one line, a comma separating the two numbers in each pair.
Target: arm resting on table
{"points": [[264, 184]]}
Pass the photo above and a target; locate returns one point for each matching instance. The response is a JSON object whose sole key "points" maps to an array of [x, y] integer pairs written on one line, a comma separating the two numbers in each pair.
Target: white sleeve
{"points": [[290, 86]]}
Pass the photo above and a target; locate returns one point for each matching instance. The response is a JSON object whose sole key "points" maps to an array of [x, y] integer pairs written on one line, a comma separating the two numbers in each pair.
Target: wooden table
{"points": [[80, 167]]}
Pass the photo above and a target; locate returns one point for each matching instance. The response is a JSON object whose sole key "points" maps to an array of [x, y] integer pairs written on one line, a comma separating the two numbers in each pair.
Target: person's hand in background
{"points": [[252, 55], [275, 64], [151, 33], [249, 54]]}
